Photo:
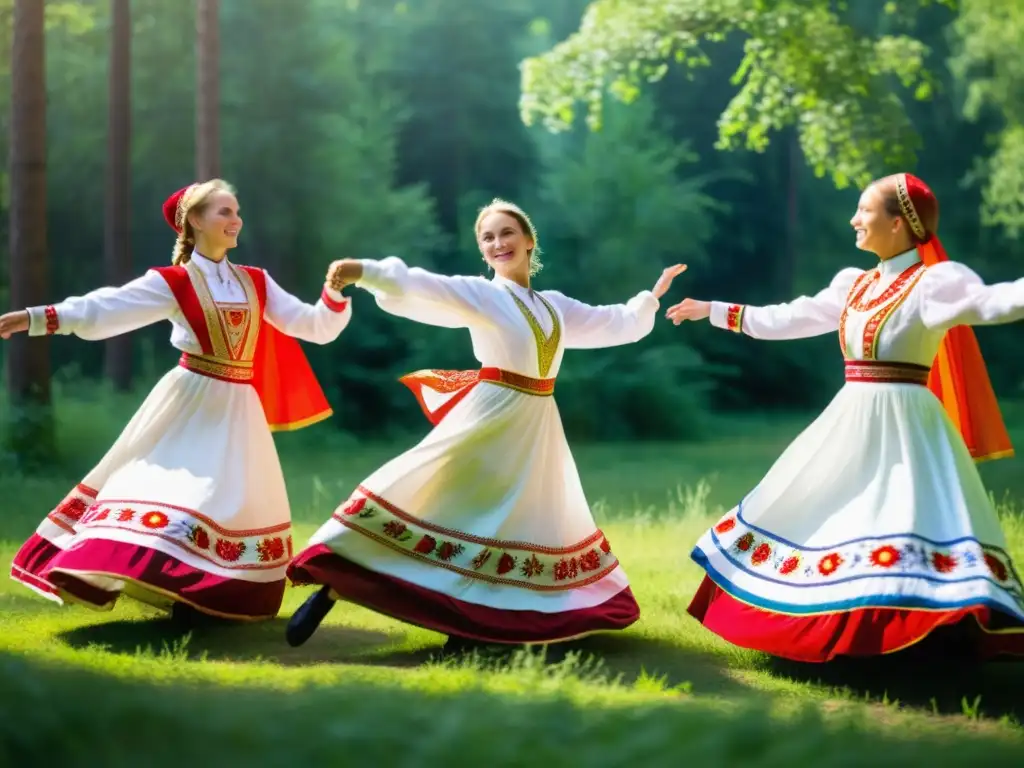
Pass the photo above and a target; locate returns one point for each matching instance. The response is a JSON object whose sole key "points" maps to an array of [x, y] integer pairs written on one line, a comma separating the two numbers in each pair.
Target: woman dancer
{"points": [[873, 529], [482, 530], [188, 508]]}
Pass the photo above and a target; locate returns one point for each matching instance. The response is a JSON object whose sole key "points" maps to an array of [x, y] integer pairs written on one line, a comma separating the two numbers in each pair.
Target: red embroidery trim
{"points": [[331, 304], [734, 318], [52, 321]]}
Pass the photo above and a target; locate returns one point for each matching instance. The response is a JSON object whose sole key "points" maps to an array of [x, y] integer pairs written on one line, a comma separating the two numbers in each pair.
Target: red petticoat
{"points": [[859, 632]]}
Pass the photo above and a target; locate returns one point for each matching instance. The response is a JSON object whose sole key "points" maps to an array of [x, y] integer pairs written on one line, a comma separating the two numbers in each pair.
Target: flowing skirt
{"points": [[482, 531], [188, 505], [870, 531]]}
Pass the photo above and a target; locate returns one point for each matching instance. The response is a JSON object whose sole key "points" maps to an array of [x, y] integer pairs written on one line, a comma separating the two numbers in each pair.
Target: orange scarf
{"points": [[960, 380]]}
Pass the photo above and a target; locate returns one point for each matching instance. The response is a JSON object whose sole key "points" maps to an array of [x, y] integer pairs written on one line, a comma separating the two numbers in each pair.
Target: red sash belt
{"points": [[879, 372], [439, 391]]}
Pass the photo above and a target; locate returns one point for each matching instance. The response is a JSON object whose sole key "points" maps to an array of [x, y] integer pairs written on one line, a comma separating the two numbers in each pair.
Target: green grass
{"points": [[82, 688]]}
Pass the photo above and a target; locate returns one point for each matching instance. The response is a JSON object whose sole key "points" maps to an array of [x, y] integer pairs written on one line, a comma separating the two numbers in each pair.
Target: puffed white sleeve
{"points": [[798, 319], [319, 323], [108, 311], [606, 325], [953, 294], [422, 296]]}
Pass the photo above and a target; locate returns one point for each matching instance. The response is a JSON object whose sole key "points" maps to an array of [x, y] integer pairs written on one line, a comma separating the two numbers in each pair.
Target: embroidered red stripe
{"points": [[52, 321], [331, 304], [734, 318]]}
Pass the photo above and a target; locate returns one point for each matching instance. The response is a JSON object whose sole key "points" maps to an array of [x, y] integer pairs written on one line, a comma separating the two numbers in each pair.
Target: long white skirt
{"points": [[876, 508], [481, 530], [188, 505]]}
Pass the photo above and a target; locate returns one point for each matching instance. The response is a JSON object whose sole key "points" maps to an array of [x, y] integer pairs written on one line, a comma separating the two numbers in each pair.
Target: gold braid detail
{"points": [[907, 206], [547, 346]]}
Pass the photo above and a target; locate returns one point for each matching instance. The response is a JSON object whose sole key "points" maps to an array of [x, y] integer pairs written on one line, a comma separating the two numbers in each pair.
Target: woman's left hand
{"points": [[665, 281]]}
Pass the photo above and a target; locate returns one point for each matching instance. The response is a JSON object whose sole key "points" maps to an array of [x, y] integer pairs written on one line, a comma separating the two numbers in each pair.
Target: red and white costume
{"points": [[189, 504], [482, 530], [873, 528]]}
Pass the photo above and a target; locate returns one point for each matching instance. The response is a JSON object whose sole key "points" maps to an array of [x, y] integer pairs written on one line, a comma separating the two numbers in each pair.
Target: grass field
{"points": [[126, 688]]}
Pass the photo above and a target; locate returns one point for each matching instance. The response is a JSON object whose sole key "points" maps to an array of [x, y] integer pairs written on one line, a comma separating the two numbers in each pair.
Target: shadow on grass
{"points": [[316, 725], [230, 641], [932, 677], [624, 656]]}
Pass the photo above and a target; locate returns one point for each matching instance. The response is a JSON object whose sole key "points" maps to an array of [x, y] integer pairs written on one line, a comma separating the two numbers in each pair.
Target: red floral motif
{"points": [[481, 558], [885, 557], [943, 563], [761, 554], [506, 563], [269, 549], [745, 542], [829, 563], [590, 561], [155, 520], [532, 567], [354, 506], [566, 569], [726, 525], [996, 566], [447, 551], [425, 545], [198, 536], [789, 565], [605, 546], [73, 508], [394, 529], [230, 550], [125, 515], [103, 514]]}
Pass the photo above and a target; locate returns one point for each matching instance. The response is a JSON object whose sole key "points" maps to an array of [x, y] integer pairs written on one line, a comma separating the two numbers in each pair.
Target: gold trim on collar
{"points": [[547, 346]]}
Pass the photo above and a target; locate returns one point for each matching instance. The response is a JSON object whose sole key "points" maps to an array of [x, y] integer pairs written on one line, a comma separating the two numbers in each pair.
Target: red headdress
{"points": [[958, 376], [174, 208], [282, 377]]}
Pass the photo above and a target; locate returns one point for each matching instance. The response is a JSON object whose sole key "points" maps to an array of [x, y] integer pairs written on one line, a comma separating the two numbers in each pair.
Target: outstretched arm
{"points": [[953, 294], [100, 314], [798, 319], [610, 325], [415, 293], [319, 323]]}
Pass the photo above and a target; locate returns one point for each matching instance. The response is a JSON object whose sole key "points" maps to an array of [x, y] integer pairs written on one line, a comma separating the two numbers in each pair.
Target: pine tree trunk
{"points": [[118, 256], [208, 90], [31, 433]]}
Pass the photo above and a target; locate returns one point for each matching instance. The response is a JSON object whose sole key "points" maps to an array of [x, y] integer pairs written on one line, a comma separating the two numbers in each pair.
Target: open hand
{"points": [[665, 281], [13, 322], [689, 309], [343, 272]]}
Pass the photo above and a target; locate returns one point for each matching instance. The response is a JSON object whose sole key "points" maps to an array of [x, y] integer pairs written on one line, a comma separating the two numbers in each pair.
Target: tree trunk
{"points": [[791, 255], [118, 256], [31, 434], [208, 90]]}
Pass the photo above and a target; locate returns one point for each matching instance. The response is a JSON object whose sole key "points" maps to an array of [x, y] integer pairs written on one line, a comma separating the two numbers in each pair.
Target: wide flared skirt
{"points": [[871, 531], [188, 505], [482, 530]]}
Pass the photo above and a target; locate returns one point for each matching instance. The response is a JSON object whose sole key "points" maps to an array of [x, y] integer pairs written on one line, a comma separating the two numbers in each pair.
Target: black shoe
{"points": [[308, 617]]}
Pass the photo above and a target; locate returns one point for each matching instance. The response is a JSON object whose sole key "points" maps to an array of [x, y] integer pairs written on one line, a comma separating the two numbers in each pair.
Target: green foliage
{"points": [[803, 65], [986, 61]]}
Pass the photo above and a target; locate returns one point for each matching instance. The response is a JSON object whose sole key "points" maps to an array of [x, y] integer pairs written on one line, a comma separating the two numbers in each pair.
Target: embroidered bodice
{"points": [[897, 312], [228, 299]]}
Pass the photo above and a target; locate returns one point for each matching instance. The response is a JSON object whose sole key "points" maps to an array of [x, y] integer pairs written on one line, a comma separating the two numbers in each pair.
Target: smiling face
{"points": [[505, 244], [216, 222], [876, 228]]}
